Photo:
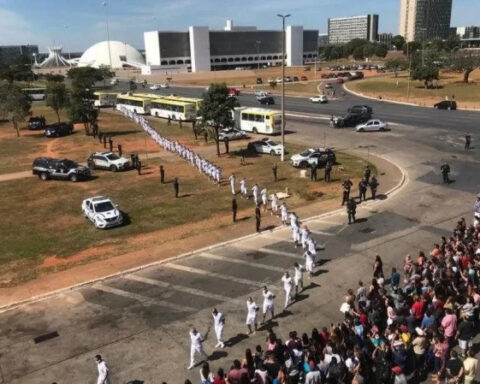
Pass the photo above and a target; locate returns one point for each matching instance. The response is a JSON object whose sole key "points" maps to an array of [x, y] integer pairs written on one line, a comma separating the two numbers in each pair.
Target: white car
{"points": [[231, 134], [101, 211], [313, 155], [261, 94], [372, 125], [164, 85], [321, 99], [107, 160], [155, 87], [114, 81], [265, 146]]}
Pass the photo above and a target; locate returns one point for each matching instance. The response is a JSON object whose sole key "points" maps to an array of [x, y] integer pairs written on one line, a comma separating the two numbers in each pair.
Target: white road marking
{"points": [[141, 298], [321, 233], [268, 250], [242, 262], [192, 291], [313, 117]]}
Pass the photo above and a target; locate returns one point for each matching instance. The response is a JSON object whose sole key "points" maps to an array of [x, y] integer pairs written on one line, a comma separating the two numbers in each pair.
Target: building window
{"points": [[164, 62], [269, 57], [250, 58], [171, 62], [237, 59], [189, 61], [179, 61], [223, 60], [263, 58], [217, 60], [275, 57], [230, 59], [244, 59]]}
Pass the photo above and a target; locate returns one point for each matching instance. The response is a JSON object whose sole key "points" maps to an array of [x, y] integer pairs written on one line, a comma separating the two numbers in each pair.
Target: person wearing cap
{"points": [[420, 346], [399, 377]]}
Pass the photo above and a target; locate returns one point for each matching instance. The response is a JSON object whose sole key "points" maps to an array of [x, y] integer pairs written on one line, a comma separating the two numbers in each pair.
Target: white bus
{"points": [[104, 99], [258, 120], [175, 110], [138, 105], [35, 94]]}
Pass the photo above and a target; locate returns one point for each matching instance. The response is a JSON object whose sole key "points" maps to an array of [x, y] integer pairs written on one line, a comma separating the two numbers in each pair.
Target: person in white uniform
{"points": [[284, 213], [308, 263], [264, 194], [103, 372], [287, 287], [252, 310], [243, 188], [304, 233], [298, 277], [196, 346], [218, 323], [268, 297], [296, 235], [232, 183], [274, 204], [255, 190], [312, 248]]}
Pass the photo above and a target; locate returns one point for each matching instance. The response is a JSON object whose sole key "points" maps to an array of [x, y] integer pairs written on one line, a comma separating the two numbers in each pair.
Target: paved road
{"points": [[139, 321]]}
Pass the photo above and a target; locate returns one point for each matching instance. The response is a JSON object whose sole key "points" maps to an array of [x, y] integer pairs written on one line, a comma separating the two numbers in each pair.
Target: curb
{"points": [[78, 286]]}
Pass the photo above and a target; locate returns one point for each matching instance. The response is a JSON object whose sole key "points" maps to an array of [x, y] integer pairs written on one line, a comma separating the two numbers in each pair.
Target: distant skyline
{"points": [[76, 25]]}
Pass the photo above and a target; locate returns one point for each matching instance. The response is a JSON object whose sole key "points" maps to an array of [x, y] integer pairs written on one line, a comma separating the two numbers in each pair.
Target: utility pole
{"points": [[105, 4], [282, 158]]}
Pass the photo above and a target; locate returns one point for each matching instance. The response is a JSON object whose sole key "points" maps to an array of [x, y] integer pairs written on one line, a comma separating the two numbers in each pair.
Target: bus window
{"points": [[244, 116], [251, 117], [259, 118]]}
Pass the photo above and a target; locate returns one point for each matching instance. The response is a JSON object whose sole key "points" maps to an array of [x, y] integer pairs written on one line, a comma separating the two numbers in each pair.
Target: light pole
{"points": [[283, 17], [257, 43], [105, 4], [69, 48]]}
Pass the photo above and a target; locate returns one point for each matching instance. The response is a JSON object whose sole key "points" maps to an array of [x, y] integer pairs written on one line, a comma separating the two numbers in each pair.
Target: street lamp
{"points": [[69, 48], [283, 17], [104, 3]]}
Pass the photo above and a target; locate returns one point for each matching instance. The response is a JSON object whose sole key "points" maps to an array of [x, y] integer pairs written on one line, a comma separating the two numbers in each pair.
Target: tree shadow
{"points": [[239, 337], [120, 133]]}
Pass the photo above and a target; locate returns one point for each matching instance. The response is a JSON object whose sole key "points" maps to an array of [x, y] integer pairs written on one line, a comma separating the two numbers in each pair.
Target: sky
{"points": [[78, 24]]}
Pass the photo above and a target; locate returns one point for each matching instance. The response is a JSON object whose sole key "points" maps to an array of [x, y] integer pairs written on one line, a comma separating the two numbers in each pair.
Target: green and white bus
{"points": [[104, 99], [139, 105], [175, 110], [35, 94]]}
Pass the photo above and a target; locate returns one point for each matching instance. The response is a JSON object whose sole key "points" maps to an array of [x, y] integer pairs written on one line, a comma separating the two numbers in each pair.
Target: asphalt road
{"points": [[139, 322]]}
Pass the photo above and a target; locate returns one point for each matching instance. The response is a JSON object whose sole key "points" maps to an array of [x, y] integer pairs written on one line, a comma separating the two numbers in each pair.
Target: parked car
{"points": [[321, 99], [295, 78], [340, 80], [155, 87], [231, 134], [361, 109], [265, 146], [164, 85], [279, 80], [233, 92], [261, 94], [304, 78], [350, 120], [36, 122], [313, 155], [372, 125], [114, 81], [102, 212], [59, 129], [328, 86], [288, 79], [259, 80], [267, 100], [63, 169], [446, 104], [107, 160], [271, 81]]}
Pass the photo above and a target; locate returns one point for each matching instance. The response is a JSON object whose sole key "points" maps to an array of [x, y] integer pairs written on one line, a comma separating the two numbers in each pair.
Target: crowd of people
{"points": [[203, 166]]}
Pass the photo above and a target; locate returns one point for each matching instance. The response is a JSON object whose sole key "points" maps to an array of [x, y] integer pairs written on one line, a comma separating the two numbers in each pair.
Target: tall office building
{"points": [[425, 19], [10, 53], [343, 29]]}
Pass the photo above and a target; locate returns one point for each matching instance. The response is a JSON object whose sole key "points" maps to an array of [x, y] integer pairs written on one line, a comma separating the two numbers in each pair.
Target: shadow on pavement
{"points": [[236, 339], [217, 355]]}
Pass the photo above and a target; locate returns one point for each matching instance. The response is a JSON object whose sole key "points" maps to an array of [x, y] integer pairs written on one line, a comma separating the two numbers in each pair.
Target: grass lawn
{"points": [[389, 87]]}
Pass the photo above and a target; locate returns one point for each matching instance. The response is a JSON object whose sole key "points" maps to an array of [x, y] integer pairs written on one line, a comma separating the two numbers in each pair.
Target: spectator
{"points": [[470, 366]]}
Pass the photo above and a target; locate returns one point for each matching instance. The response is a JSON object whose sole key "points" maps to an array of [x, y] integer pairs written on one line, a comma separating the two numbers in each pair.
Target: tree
{"points": [[396, 64], [358, 53], [381, 50], [56, 97], [18, 71], [14, 105], [426, 73], [216, 110], [465, 62], [398, 42], [55, 78], [452, 44], [106, 72], [411, 47], [368, 50]]}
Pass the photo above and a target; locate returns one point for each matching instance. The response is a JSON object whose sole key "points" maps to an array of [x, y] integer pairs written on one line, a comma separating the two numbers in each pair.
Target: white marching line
{"points": [[141, 298], [180, 288], [241, 262]]}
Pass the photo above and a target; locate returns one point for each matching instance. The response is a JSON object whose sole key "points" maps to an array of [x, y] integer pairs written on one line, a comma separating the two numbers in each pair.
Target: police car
{"points": [[313, 155], [107, 160], [102, 212]]}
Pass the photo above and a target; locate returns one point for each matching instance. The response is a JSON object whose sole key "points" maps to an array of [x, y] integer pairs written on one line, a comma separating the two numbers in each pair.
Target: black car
{"points": [[446, 104], [36, 122], [351, 120], [267, 100], [49, 168], [295, 78], [361, 109], [59, 129], [259, 80]]}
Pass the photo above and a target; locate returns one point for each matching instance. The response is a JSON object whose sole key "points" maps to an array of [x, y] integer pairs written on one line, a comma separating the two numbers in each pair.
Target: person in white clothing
{"points": [[268, 297], [274, 204], [264, 194], [196, 346], [312, 248], [308, 263], [232, 183], [293, 219], [284, 213], [252, 310], [298, 277], [218, 323], [287, 287], [296, 235], [305, 234], [255, 190], [103, 373], [243, 188]]}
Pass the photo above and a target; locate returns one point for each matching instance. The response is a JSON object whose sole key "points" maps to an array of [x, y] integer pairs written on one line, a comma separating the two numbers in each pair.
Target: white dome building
{"points": [[117, 53]]}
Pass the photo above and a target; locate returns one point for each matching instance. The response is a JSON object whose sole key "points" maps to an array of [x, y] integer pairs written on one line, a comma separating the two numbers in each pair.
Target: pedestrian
{"points": [[470, 366], [196, 346], [139, 167], [132, 161], [100, 137], [234, 209], [242, 157], [274, 205], [298, 277], [103, 371], [274, 171], [373, 187], [362, 189], [232, 183], [328, 170], [309, 262], [347, 185], [255, 190], [219, 323], [244, 188], [268, 297], [206, 376], [120, 151], [227, 147], [313, 171], [367, 173], [162, 174], [252, 310], [287, 287], [284, 213], [110, 143], [468, 140], [445, 169], [264, 195], [176, 187], [104, 139], [258, 217], [351, 210]]}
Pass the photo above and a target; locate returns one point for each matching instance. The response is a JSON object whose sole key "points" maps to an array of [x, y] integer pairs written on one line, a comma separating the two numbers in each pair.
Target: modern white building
{"points": [[114, 54], [341, 30], [202, 49]]}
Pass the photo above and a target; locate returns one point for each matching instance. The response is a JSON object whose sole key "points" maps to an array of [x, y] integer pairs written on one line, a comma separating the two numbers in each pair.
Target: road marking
{"points": [[321, 233], [141, 298], [305, 116], [268, 250], [242, 262], [192, 291], [198, 271]]}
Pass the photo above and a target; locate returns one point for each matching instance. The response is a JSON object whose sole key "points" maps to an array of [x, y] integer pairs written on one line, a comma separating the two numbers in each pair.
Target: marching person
{"points": [[445, 168], [243, 188], [103, 372], [347, 185], [252, 310], [232, 183], [176, 187], [234, 209], [287, 287], [268, 297], [468, 140], [255, 190], [258, 217], [351, 210], [298, 277], [274, 171], [219, 323], [367, 173], [328, 170], [284, 213], [196, 346], [373, 187], [162, 174], [274, 205], [296, 234], [309, 262], [264, 195], [362, 189]]}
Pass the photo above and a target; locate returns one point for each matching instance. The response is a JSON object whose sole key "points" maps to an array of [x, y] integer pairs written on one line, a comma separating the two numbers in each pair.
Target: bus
{"points": [[147, 96], [104, 99], [138, 105], [175, 110], [258, 120], [35, 94], [192, 100]]}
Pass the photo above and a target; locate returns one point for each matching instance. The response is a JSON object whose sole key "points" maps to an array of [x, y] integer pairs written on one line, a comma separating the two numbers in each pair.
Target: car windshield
{"points": [[306, 153], [104, 206], [271, 143], [70, 164], [112, 156]]}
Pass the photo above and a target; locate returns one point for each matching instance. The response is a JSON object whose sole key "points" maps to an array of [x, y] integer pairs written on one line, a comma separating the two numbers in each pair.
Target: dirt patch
{"points": [[54, 262]]}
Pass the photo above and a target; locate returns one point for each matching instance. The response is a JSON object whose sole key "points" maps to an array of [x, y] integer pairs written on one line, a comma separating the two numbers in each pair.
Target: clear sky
{"points": [[77, 24]]}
